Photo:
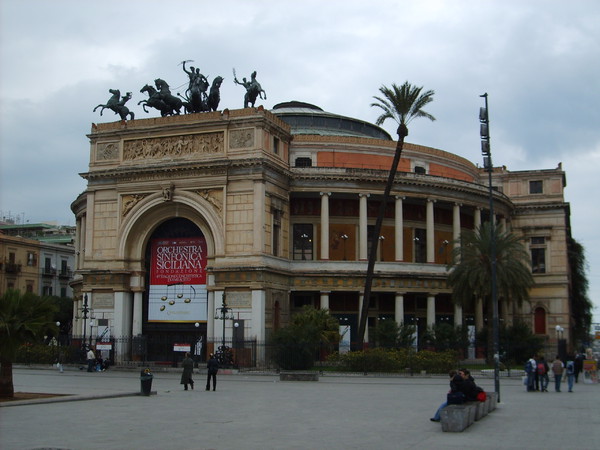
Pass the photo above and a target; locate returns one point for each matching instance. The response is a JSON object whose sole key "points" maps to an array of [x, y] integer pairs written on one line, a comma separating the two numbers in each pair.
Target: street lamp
{"points": [[488, 166], [381, 239], [304, 240], [559, 339], [85, 311], [223, 313], [344, 238]]}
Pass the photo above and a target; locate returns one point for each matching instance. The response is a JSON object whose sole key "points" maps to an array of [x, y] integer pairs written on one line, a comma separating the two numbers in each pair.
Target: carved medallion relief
{"points": [[241, 138]]}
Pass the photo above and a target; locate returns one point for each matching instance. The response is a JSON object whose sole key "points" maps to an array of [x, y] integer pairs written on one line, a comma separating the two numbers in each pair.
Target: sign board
{"points": [[103, 346], [177, 291], [182, 347]]}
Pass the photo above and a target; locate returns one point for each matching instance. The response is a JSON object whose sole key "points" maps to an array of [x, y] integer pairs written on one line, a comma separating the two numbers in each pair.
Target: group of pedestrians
{"points": [[462, 389], [537, 371], [212, 366]]}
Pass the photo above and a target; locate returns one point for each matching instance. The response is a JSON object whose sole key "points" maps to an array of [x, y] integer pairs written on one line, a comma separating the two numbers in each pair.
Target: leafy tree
{"points": [[388, 334], [470, 274], [297, 345], [581, 306], [444, 336], [23, 318], [401, 104], [518, 343]]}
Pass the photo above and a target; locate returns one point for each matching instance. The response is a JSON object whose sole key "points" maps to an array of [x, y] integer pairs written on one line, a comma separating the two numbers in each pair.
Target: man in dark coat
{"points": [[188, 370], [213, 367]]}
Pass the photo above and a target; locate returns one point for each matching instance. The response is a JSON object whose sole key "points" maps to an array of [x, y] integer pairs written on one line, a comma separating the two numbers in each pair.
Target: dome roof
{"points": [[305, 118]]}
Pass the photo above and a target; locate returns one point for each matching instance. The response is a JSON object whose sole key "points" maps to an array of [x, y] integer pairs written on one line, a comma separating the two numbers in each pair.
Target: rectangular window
{"points": [[536, 187], [302, 241], [538, 240], [31, 259], [538, 260], [276, 145]]}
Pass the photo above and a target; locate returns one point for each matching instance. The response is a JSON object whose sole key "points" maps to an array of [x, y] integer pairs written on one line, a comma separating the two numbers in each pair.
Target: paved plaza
{"points": [[260, 412]]}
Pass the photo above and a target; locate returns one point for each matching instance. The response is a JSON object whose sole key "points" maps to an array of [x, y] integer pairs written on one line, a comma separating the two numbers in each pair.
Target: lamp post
{"points": [[489, 167], [85, 311], [344, 238], [223, 314], [559, 338], [304, 240], [381, 239]]}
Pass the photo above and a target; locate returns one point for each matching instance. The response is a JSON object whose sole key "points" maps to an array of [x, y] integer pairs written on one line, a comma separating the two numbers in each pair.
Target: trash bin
{"points": [[146, 381]]}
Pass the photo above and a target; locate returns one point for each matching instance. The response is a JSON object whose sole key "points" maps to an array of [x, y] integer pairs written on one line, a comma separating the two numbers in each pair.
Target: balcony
{"points": [[48, 271], [12, 268], [66, 273]]}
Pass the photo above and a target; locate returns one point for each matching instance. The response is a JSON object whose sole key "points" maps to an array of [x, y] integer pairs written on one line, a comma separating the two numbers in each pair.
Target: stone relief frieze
{"points": [[129, 201], [106, 151], [173, 147], [241, 138]]}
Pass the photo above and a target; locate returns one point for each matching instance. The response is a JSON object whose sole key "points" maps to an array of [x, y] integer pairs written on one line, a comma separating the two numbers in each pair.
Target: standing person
{"points": [[91, 359], [188, 370], [557, 370], [530, 367], [542, 372], [213, 367], [570, 372], [578, 366]]}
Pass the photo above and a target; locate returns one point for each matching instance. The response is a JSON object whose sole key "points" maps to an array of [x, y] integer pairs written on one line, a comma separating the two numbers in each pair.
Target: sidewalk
{"points": [[260, 412]]}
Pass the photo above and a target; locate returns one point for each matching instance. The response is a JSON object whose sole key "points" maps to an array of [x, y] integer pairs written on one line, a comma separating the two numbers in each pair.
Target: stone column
{"points": [[136, 326], [430, 310], [325, 224], [399, 308], [458, 315], [477, 218], [430, 231], [362, 227], [456, 223], [399, 230], [210, 320], [325, 300]]}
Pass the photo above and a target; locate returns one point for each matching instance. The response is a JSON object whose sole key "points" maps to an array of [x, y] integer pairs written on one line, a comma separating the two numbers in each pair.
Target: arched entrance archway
{"points": [[176, 298]]}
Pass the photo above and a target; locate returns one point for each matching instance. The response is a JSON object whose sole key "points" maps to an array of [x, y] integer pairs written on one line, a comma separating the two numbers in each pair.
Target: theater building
{"points": [[273, 210]]}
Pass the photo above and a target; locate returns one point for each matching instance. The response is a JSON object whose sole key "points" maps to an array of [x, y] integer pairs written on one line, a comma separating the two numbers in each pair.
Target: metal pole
{"points": [[495, 328]]}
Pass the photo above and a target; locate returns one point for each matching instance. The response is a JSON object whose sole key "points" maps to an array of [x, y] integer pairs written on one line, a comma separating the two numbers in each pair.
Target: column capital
{"points": [[328, 194], [400, 197], [364, 195], [432, 200], [458, 204]]}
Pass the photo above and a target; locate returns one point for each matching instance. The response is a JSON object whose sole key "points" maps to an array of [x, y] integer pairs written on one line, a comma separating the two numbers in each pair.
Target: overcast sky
{"points": [[538, 60]]}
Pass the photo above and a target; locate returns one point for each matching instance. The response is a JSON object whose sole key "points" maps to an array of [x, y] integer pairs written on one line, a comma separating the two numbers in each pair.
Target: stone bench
{"points": [[456, 418], [299, 376]]}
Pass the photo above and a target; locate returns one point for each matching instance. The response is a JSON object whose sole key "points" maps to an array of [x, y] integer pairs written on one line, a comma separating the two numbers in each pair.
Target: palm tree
{"points": [[470, 274], [23, 318], [402, 104]]}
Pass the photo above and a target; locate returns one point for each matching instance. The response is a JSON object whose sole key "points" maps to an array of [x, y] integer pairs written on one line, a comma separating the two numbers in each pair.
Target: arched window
{"points": [[540, 321]]}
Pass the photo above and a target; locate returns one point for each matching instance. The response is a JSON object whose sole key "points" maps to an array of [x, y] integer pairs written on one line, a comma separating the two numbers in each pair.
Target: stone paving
{"points": [[261, 412]]}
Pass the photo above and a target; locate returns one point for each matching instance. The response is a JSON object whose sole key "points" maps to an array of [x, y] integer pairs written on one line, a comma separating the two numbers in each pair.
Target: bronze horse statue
{"points": [[117, 104], [203, 103], [164, 101], [214, 96]]}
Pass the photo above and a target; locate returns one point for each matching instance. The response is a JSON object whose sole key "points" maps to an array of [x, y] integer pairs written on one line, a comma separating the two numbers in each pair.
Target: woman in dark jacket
{"points": [[188, 370]]}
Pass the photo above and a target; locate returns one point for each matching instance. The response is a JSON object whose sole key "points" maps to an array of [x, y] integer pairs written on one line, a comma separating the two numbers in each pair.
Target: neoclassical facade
{"points": [[273, 210]]}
